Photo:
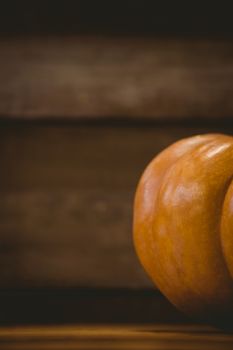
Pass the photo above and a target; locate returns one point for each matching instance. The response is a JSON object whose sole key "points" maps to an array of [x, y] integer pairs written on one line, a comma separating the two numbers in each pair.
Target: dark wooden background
{"points": [[90, 92], [136, 17], [67, 199]]}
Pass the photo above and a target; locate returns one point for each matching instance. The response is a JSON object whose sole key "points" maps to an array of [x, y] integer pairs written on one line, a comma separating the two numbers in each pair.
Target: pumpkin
{"points": [[183, 225]]}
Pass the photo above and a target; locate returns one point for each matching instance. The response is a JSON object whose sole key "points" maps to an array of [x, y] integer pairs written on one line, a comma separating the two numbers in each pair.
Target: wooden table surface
{"points": [[157, 336]]}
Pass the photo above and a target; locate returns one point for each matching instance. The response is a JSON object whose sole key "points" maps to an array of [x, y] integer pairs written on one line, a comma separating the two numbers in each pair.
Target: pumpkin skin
{"points": [[183, 225]]}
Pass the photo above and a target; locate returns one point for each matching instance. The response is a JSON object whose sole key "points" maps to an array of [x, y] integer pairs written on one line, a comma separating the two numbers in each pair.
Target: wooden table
{"points": [[135, 337]]}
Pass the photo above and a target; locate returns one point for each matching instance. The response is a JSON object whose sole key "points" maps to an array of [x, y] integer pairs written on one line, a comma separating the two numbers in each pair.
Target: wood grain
{"points": [[66, 202], [93, 77], [156, 336]]}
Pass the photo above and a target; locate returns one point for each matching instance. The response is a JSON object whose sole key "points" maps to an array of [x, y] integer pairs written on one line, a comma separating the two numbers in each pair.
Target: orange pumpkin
{"points": [[183, 225]]}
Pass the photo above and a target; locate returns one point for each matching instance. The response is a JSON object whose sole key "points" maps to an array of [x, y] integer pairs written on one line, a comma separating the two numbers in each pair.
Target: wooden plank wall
{"points": [[88, 95], [66, 198], [127, 78]]}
